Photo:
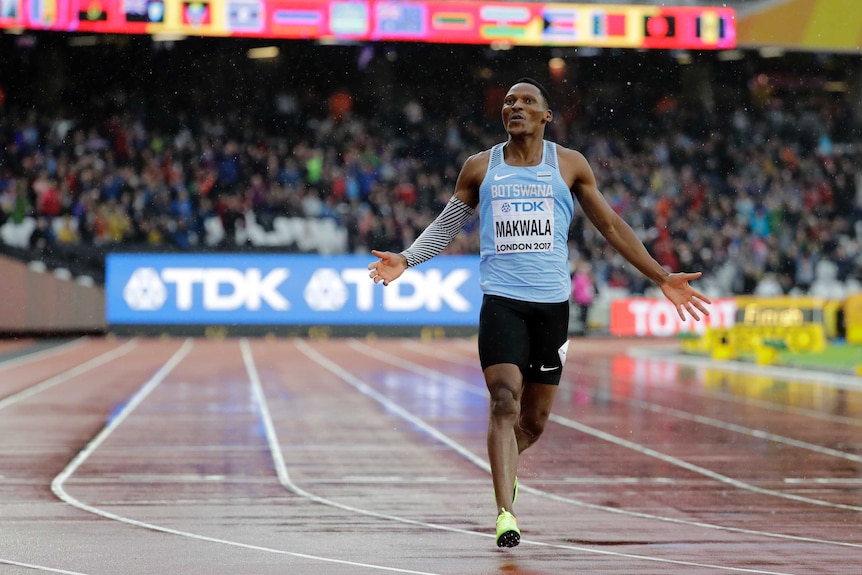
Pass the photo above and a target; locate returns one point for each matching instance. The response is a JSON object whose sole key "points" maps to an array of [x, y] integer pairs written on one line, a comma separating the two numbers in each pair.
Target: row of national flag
{"points": [[641, 26], [444, 21]]}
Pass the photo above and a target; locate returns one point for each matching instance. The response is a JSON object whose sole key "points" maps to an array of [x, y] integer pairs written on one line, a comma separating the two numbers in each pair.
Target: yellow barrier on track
{"points": [[765, 326]]}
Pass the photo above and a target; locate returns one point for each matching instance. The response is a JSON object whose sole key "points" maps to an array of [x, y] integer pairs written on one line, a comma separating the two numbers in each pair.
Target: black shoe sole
{"points": [[509, 539]]}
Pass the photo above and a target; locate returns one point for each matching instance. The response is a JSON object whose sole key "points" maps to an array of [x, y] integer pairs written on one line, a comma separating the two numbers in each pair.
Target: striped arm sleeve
{"points": [[439, 233]]}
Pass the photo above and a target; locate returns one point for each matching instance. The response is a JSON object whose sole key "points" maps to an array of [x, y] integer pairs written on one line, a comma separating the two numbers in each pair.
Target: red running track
{"points": [[331, 457]]}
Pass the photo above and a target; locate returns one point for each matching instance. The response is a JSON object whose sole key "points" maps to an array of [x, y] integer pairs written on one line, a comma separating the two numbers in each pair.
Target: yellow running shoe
{"points": [[514, 496], [508, 534]]}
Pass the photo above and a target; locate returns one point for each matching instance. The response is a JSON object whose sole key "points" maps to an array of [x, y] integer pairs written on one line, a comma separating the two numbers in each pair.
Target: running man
{"points": [[524, 190]]}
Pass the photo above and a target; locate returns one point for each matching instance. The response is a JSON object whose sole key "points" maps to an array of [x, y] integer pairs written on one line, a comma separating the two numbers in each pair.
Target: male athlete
{"points": [[524, 190]]}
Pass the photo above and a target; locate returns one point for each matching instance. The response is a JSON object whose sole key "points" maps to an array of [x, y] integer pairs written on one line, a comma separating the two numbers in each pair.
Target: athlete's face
{"points": [[524, 109]]}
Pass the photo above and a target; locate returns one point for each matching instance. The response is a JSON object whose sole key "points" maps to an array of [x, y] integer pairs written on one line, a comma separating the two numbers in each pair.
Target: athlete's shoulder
{"points": [[480, 157], [573, 166], [569, 155], [470, 179], [477, 164]]}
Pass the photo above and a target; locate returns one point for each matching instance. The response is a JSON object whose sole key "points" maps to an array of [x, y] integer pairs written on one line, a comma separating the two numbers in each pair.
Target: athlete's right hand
{"points": [[388, 268]]}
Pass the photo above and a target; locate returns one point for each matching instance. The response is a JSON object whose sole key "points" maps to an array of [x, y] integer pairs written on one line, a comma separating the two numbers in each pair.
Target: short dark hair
{"points": [[541, 88]]}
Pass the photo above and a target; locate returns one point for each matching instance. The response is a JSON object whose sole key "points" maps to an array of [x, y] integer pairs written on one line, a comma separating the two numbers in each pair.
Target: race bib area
{"points": [[524, 225], [287, 294]]}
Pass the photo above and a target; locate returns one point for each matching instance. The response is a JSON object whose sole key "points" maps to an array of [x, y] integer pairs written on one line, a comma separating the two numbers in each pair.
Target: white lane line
{"points": [[41, 354], [717, 423], [811, 378], [770, 406], [466, 386], [472, 360], [395, 408], [643, 450], [727, 426], [58, 485], [129, 479], [69, 374], [855, 481], [39, 567], [277, 455], [777, 372]]}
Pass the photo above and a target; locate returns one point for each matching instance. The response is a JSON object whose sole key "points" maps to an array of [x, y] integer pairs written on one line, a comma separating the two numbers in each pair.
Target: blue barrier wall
{"points": [[206, 289]]}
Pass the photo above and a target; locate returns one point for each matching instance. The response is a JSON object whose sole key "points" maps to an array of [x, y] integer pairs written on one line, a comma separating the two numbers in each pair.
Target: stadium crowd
{"points": [[759, 194]]}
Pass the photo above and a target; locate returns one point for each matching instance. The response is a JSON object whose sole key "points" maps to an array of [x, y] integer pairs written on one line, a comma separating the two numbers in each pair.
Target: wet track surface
{"points": [[349, 456]]}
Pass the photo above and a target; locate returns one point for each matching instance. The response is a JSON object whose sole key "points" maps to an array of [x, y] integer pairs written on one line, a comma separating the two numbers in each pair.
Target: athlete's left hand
{"points": [[675, 288]]}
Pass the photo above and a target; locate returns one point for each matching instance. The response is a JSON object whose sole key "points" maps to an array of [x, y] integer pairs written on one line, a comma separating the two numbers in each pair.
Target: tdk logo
{"points": [[416, 290], [326, 290], [145, 290], [528, 206], [223, 289]]}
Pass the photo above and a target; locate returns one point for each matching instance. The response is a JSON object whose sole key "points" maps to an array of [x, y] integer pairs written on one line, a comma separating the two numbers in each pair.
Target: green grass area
{"points": [[838, 357], [842, 357]]}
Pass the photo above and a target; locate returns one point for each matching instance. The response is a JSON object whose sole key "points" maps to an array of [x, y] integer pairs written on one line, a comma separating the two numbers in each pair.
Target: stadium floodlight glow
{"points": [[836, 87], [771, 52], [557, 68], [730, 55], [83, 41], [682, 57], [263, 53], [168, 37], [588, 52]]}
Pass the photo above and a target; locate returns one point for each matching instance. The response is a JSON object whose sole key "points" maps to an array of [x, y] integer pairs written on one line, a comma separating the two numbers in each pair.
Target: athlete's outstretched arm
{"points": [[620, 235], [441, 231]]}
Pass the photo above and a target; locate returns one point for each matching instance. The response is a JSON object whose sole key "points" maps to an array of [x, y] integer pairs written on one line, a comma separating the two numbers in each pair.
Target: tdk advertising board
{"points": [[179, 289]]}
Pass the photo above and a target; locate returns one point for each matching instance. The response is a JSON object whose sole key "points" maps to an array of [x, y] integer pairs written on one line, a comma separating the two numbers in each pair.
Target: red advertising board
{"points": [[657, 317]]}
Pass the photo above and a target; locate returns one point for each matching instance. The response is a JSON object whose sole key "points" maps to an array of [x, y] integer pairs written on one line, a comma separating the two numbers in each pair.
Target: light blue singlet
{"points": [[524, 218]]}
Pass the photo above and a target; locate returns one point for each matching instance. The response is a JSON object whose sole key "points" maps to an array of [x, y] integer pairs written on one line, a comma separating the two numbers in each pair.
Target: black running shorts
{"points": [[533, 336]]}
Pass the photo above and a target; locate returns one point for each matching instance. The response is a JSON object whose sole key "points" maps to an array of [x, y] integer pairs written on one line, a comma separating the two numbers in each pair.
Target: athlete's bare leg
{"points": [[505, 385], [536, 402]]}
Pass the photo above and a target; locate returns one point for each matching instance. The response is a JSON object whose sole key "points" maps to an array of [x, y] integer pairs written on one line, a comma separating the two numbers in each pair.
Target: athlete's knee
{"points": [[504, 401]]}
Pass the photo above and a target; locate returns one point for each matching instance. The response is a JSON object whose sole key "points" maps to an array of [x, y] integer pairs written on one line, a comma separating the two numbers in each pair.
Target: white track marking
{"points": [[69, 374], [710, 421], [854, 481], [427, 372], [801, 375], [397, 409], [711, 394], [39, 567], [471, 362], [128, 408], [770, 406], [41, 354], [58, 485], [571, 424], [717, 423]]}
